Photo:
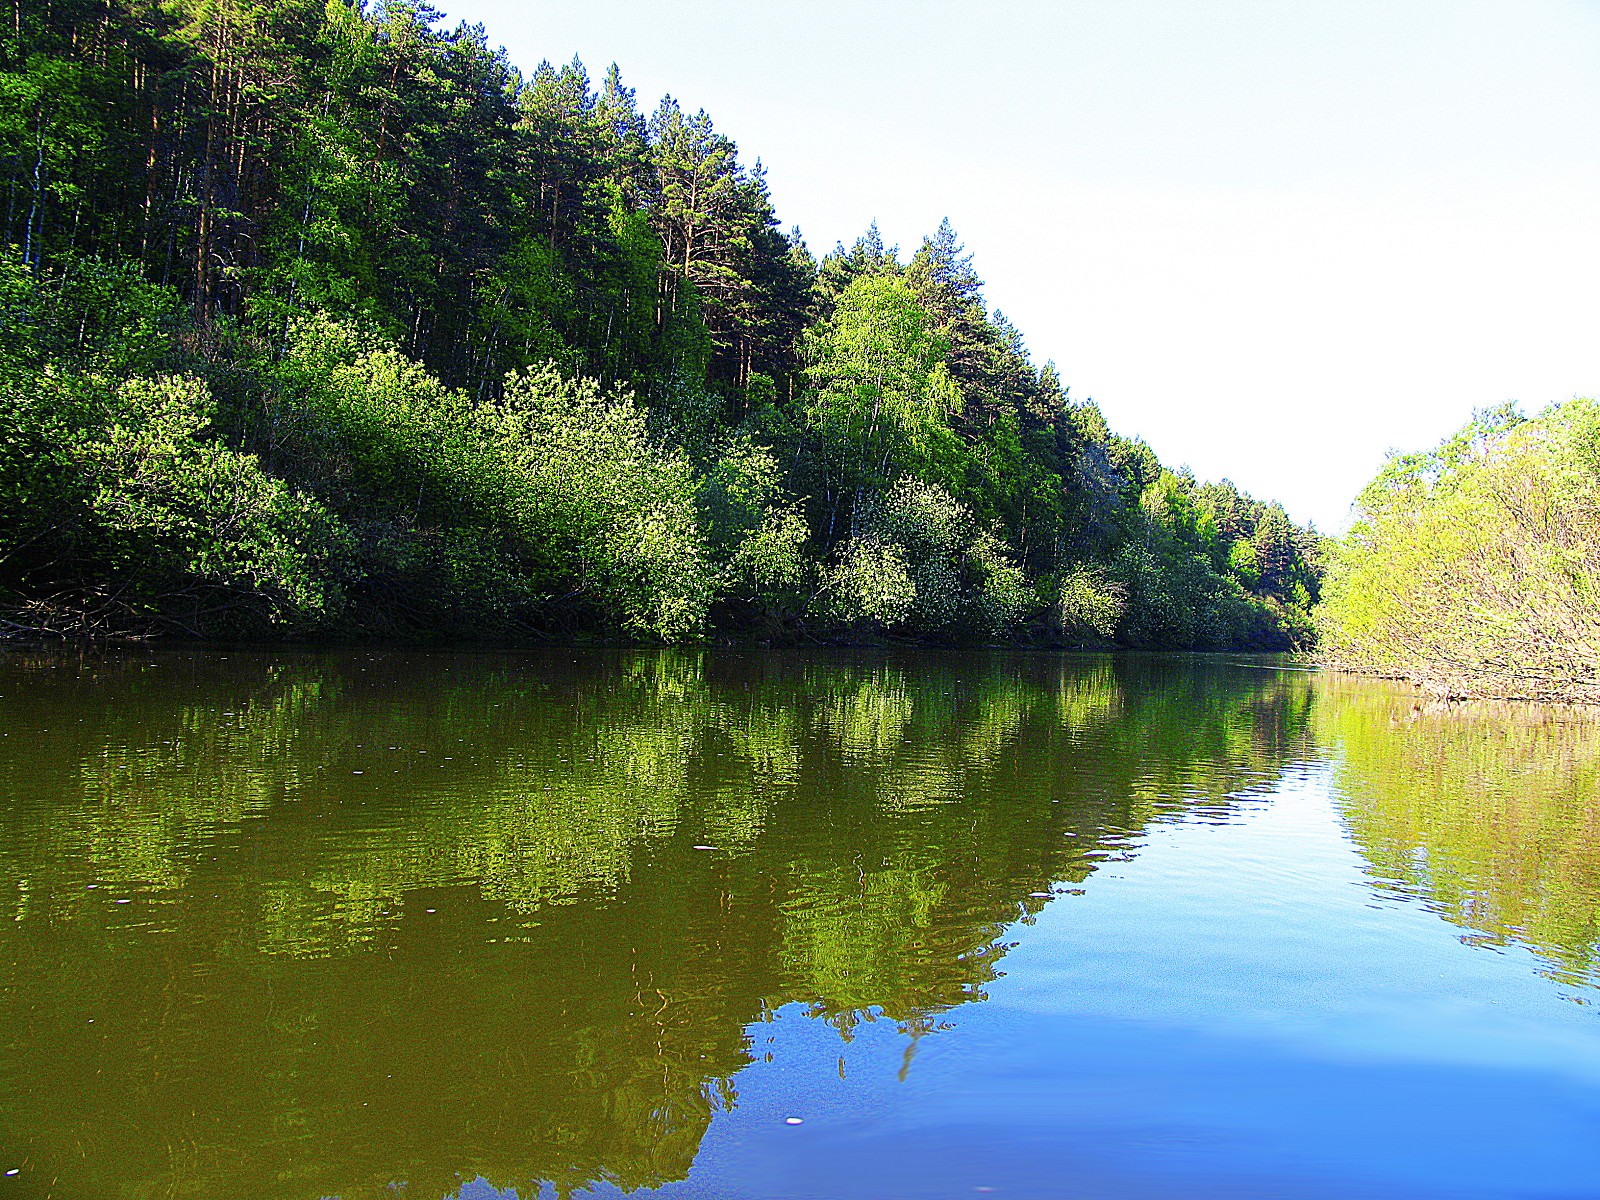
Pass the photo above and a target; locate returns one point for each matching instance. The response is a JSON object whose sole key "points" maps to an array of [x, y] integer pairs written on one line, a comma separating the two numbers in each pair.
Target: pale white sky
{"points": [[1273, 238]]}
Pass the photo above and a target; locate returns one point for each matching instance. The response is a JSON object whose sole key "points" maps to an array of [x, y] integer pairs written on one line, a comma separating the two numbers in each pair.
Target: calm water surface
{"points": [[730, 924]]}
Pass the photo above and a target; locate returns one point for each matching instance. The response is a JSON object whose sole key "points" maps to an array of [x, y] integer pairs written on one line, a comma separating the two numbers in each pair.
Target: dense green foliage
{"points": [[321, 319], [1475, 568]]}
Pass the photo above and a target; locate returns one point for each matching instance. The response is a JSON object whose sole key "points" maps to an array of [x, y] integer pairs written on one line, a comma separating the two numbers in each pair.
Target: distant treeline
{"points": [[1474, 569], [317, 319]]}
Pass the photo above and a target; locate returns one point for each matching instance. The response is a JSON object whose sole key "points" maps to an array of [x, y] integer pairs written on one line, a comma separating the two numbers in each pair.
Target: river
{"points": [[806, 925]]}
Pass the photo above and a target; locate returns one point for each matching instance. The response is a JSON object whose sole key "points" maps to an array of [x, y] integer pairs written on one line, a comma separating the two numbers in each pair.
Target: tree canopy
{"points": [[327, 319], [1475, 567]]}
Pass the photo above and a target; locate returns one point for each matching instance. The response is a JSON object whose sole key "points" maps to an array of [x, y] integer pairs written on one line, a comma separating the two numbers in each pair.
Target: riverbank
{"points": [[488, 398], [17, 637], [1459, 683], [1051, 627]]}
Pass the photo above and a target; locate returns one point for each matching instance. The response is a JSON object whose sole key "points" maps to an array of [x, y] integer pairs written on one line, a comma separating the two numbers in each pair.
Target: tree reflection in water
{"points": [[326, 924], [1487, 811]]}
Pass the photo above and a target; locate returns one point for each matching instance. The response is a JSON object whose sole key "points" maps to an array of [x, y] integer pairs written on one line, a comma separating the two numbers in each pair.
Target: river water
{"points": [[821, 925]]}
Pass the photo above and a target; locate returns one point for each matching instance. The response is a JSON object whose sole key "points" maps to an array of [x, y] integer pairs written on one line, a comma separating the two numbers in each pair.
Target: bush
{"points": [[475, 517], [1086, 605], [771, 561], [870, 583], [755, 534], [128, 517], [414, 470], [614, 508], [920, 560], [1475, 568]]}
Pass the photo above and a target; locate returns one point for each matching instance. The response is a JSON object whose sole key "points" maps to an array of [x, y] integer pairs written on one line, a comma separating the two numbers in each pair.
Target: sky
{"points": [[1274, 240]]}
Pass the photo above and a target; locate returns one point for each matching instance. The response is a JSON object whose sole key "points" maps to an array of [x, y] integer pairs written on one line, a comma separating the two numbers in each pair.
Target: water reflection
{"points": [[1488, 812], [363, 925], [370, 924]]}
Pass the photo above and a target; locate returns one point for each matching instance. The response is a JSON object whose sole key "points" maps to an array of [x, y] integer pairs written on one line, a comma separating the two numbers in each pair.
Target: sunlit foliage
{"points": [[1475, 567], [385, 255]]}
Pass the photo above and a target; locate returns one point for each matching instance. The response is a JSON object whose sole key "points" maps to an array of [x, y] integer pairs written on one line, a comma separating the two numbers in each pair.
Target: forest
{"points": [[325, 320]]}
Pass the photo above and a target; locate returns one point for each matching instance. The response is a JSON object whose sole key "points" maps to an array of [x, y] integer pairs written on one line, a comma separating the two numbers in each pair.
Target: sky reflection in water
{"points": [[408, 924]]}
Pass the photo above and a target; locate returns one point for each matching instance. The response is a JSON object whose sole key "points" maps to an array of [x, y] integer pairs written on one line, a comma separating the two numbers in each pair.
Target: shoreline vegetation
{"points": [[1473, 570], [321, 321]]}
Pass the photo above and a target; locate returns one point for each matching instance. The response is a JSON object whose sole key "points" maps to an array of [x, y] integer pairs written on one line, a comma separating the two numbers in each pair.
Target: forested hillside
{"points": [[323, 319]]}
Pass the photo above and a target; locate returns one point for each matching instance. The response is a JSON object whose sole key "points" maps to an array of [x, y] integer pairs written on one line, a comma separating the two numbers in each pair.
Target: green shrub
{"points": [[919, 559], [126, 516], [497, 515], [869, 583], [755, 534], [1086, 606], [1476, 567], [614, 508]]}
